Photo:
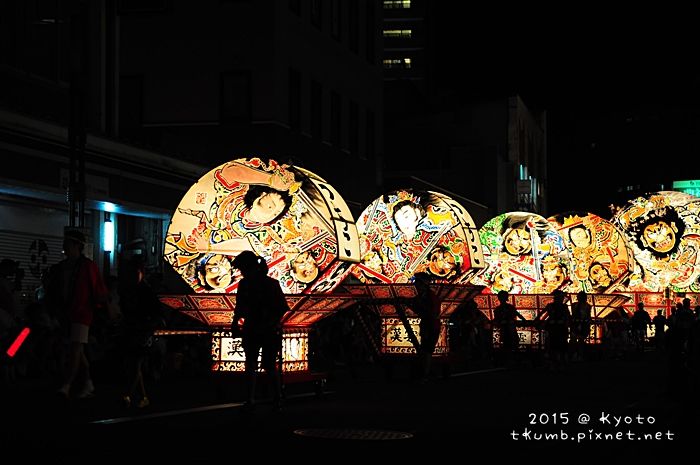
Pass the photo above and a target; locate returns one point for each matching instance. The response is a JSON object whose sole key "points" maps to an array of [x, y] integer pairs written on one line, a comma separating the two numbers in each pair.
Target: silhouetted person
{"points": [[142, 314], [8, 314], [260, 304], [504, 315], [76, 289], [580, 323], [8, 268], [427, 306], [467, 330], [659, 322], [615, 332], [639, 322], [557, 327], [678, 344]]}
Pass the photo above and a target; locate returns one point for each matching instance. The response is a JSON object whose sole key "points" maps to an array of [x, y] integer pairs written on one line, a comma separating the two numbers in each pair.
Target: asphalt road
{"points": [[496, 411]]}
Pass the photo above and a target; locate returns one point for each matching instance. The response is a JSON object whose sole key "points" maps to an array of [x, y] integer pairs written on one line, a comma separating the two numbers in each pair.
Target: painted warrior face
{"points": [[442, 263], [599, 275], [266, 207], [660, 236], [580, 236], [517, 241], [407, 219], [304, 267], [217, 272]]}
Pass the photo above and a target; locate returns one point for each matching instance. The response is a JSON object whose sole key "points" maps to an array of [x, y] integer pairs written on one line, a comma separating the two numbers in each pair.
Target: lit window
{"points": [[391, 4], [397, 33], [394, 63]]}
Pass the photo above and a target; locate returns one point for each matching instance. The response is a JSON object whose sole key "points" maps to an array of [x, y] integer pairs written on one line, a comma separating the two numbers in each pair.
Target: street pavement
{"points": [[486, 411]]}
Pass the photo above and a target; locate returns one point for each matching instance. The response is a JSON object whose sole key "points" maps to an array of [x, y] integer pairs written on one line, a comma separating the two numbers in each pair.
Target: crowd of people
{"points": [[80, 322], [77, 316], [561, 333]]}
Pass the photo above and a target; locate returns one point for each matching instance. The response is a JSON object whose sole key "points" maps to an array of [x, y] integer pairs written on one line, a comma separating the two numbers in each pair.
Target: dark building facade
{"points": [[114, 108], [300, 81], [489, 153]]}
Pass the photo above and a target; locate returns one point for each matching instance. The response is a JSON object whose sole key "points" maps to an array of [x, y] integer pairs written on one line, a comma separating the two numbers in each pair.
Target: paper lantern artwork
{"points": [[405, 232], [602, 260], [290, 216], [663, 229], [525, 255]]}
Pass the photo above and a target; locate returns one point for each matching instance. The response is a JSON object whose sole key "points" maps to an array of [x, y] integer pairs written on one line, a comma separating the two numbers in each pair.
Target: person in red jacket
{"points": [[77, 289]]}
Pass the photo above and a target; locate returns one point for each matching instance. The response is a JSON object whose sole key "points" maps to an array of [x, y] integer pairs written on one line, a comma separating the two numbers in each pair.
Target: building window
{"points": [[392, 4], [235, 96], [397, 63], [294, 100], [316, 110], [397, 33], [316, 15], [353, 128], [335, 119], [353, 26]]}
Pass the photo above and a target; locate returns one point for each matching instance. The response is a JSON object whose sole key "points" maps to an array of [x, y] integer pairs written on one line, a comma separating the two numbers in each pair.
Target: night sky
{"points": [[623, 105]]}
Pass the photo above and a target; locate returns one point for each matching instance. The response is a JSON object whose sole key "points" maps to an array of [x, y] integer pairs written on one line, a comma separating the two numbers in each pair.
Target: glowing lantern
{"points": [[525, 255], [601, 256], [405, 232], [663, 229], [291, 217]]}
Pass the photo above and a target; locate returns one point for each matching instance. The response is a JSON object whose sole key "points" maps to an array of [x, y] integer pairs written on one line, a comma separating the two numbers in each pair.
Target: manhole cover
{"points": [[357, 434]]}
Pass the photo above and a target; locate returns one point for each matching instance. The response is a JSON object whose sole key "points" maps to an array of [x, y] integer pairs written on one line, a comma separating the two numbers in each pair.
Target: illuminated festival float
{"points": [[406, 232], [289, 216], [524, 254], [663, 229], [601, 258], [528, 258]]}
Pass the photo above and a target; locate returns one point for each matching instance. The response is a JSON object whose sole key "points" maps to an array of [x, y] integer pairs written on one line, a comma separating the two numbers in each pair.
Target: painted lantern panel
{"points": [[525, 255], [663, 229], [291, 217], [405, 232], [602, 260]]}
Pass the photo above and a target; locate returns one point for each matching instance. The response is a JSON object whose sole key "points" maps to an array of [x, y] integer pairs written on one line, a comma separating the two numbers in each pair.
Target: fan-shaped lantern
{"points": [[664, 231], [525, 255], [289, 216], [602, 259], [405, 232]]}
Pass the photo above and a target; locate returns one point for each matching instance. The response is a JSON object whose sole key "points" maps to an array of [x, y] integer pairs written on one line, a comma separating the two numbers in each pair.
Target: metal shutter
{"points": [[18, 246]]}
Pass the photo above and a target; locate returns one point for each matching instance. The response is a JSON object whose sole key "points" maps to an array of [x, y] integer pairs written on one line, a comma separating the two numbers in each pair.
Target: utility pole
{"points": [[77, 101]]}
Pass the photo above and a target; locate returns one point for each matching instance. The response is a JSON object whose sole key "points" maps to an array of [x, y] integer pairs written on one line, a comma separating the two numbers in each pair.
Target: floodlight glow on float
{"points": [[292, 218], [524, 254], [405, 232], [602, 259], [663, 229]]}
